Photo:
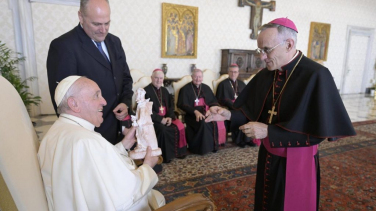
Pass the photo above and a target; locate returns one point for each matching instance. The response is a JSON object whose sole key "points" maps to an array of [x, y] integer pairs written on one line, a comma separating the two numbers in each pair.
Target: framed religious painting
{"points": [[179, 31], [318, 41]]}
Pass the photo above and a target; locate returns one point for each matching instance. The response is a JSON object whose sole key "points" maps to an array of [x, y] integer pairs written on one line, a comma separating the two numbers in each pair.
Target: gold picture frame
{"points": [[179, 31], [318, 41]]}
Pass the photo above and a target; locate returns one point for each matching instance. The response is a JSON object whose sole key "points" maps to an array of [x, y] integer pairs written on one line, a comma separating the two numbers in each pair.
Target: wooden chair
{"points": [[177, 86], [217, 81], [21, 186], [246, 81], [136, 75]]}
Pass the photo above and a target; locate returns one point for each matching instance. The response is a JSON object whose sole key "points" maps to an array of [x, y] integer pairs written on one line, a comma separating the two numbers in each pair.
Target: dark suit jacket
{"points": [[74, 53]]}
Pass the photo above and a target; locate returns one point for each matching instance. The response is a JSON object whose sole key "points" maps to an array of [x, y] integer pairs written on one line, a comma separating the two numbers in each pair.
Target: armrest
{"points": [[193, 202], [179, 114]]}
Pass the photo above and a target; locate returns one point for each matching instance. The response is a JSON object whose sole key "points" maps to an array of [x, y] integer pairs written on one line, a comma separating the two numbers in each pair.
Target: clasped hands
{"points": [[256, 130], [166, 121], [121, 111]]}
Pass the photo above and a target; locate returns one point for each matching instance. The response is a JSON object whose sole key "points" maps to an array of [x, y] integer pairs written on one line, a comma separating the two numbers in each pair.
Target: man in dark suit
{"points": [[89, 50]]}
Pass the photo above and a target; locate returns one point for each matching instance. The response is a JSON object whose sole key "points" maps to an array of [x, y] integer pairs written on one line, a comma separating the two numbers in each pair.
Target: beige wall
{"points": [[222, 25]]}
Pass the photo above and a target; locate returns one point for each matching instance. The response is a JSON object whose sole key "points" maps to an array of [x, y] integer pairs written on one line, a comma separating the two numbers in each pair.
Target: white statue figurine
{"points": [[145, 133]]}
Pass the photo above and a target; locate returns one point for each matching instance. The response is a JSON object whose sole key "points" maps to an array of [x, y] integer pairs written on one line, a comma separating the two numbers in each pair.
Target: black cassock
{"points": [[226, 91], [309, 111], [202, 137], [167, 136]]}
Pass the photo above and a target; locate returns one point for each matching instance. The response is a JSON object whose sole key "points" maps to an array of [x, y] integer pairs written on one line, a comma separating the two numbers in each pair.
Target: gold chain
{"points": [[159, 101], [275, 102]]}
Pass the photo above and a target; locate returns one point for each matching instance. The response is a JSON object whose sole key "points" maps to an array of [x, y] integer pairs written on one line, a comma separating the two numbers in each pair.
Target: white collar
{"points": [[77, 120]]}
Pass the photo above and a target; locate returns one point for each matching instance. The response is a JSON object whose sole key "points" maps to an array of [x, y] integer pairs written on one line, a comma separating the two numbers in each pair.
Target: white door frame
{"points": [[361, 31]]}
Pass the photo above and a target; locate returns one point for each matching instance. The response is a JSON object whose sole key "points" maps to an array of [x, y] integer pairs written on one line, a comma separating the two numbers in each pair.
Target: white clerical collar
{"points": [[296, 54], [77, 120]]}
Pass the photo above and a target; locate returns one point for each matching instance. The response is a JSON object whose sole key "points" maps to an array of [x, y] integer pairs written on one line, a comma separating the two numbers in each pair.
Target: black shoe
{"points": [[181, 157], [251, 144], [158, 168], [167, 161], [215, 150], [242, 144]]}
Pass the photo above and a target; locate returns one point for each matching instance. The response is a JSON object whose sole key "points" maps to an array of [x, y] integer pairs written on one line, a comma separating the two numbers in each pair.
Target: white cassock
{"points": [[82, 171]]}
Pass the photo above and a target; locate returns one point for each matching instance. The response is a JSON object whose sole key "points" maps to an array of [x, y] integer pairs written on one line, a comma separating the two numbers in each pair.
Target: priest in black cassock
{"points": [[292, 105], [195, 98], [169, 130], [227, 92]]}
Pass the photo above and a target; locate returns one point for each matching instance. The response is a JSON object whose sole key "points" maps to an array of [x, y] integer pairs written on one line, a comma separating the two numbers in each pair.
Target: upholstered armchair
{"points": [[177, 86], [208, 77], [247, 80], [217, 81], [21, 186], [141, 83], [136, 74]]}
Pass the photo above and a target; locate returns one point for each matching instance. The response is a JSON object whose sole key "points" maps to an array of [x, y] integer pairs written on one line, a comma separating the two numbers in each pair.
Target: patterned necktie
{"points": [[101, 50]]}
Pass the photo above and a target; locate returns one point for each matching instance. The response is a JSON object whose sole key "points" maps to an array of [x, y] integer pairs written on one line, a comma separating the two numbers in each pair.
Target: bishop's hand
{"points": [[199, 116], [216, 113], [255, 130]]}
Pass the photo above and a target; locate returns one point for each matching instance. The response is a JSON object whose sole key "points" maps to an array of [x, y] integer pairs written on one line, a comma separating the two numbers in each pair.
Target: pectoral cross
{"points": [[235, 96], [161, 109], [256, 13], [272, 113], [196, 101]]}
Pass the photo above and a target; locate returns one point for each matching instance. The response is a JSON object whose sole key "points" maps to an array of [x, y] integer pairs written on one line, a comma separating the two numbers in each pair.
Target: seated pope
{"points": [[170, 131], [195, 99], [81, 170]]}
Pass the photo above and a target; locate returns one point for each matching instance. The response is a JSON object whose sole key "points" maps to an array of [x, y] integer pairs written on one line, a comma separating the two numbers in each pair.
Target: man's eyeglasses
{"points": [[267, 50]]}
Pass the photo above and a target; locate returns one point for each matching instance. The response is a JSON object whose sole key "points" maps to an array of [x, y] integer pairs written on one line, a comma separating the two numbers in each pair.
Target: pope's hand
{"points": [[149, 159], [216, 113], [255, 130], [129, 137]]}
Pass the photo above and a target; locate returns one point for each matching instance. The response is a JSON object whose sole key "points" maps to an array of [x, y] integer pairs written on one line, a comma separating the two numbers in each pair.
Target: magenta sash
{"points": [[233, 100], [300, 190], [220, 124], [201, 102], [160, 113], [128, 117], [182, 140], [221, 132], [257, 142]]}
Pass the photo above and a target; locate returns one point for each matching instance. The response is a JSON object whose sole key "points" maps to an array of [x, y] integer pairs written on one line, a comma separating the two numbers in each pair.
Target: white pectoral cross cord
{"points": [[272, 113], [196, 101]]}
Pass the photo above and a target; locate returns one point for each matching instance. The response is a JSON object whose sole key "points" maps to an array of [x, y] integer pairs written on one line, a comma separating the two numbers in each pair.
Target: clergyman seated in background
{"points": [[169, 130], [227, 92], [195, 98], [83, 171]]}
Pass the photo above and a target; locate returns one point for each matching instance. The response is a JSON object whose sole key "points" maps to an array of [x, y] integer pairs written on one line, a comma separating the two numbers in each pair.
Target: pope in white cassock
{"points": [[81, 170]]}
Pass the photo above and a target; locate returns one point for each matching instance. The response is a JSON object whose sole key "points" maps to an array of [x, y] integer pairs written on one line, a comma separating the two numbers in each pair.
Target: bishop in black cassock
{"points": [[170, 131], [227, 92], [292, 105], [195, 98]]}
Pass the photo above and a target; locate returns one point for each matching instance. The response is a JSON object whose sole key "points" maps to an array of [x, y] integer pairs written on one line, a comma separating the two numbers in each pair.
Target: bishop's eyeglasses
{"points": [[267, 50]]}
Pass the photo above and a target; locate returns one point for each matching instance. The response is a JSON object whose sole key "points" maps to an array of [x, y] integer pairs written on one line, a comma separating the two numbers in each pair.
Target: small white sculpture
{"points": [[145, 133]]}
